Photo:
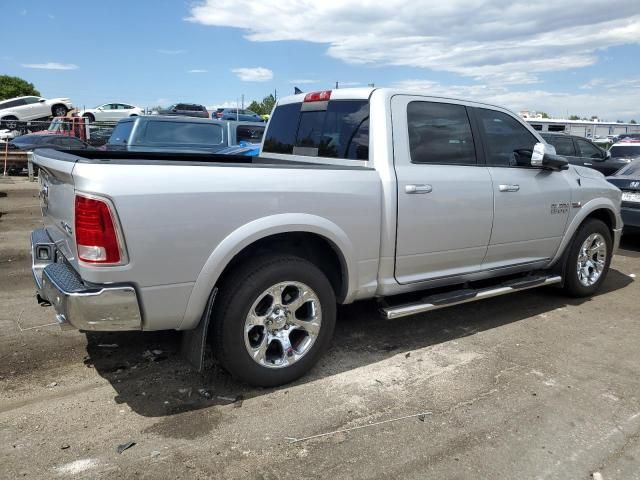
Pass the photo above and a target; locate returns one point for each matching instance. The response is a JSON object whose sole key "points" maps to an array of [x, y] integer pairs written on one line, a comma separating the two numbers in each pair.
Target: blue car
{"points": [[244, 148]]}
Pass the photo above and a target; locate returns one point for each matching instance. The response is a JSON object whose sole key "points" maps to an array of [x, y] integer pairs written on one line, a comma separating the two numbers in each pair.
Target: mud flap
{"points": [[194, 342]]}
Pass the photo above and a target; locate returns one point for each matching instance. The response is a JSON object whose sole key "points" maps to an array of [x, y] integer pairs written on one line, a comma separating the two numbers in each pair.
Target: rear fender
{"points": [[251, 232]]}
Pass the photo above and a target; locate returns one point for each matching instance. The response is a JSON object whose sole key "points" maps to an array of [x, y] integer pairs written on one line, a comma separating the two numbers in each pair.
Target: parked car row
{"points": [[110, 112], [582, 151]]}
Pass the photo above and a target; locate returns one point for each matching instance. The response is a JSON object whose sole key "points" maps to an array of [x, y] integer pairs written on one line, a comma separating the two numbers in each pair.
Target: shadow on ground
{"points": [[148, 374]]}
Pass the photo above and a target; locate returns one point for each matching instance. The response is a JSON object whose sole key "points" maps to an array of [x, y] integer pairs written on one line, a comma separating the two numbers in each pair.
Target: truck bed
{"points": [[179, 158]]}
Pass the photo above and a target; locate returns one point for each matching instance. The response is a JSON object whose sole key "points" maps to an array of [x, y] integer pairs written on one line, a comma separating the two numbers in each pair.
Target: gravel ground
{"points": [[532, 385]]}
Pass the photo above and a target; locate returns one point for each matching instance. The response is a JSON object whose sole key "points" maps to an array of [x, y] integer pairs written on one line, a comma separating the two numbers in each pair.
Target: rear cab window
{"points": [[330, 129], [121, 133], [249, 133], [182, 133]]}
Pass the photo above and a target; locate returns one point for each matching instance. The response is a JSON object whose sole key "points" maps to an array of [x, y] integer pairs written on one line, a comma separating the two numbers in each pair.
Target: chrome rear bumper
{"points": [[78, 304]]}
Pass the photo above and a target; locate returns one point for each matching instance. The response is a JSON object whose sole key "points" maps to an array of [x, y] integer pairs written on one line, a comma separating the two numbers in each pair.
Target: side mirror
{"points": [[174, 109], [607, 154], [42, 100], [544, 156]]}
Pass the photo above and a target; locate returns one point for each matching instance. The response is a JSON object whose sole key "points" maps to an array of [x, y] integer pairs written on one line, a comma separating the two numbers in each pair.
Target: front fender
{"points": [[586, 210], [251, 232]]}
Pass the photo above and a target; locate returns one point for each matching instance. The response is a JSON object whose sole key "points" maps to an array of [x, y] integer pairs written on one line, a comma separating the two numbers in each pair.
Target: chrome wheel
{"points": [[59, 111], [592, 258], [282, 324]]}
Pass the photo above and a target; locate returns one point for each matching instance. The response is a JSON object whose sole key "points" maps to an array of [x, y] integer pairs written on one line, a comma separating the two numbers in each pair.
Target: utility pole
{"points": [[243, 101]]}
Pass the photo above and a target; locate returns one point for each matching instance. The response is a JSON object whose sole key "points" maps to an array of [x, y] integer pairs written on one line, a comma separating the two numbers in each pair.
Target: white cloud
{"points": [[255, 74], [51, 66], [488, 40], [165, 51], [197, 70], [607, 104]]}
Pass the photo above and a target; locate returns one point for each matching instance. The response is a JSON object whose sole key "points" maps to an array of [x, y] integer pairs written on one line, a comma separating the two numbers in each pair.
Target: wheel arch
{"points": [[602, 209], [305, 235], [58, 104]]}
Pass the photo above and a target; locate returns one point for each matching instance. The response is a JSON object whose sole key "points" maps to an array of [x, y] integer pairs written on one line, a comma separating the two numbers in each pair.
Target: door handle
{"points": [[422, 188], [588, 164], [509, 188]]}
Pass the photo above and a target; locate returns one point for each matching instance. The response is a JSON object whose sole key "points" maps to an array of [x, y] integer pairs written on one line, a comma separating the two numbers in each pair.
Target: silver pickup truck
{"points": [[422, 202]]}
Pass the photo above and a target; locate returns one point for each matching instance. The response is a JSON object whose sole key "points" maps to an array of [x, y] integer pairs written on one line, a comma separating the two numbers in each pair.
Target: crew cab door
{"points": [[531, 205], [445, 197]]}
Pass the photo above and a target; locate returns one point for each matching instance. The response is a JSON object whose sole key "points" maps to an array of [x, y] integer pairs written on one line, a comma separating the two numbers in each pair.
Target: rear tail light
{"points": [[322, 96], [96, 234]]}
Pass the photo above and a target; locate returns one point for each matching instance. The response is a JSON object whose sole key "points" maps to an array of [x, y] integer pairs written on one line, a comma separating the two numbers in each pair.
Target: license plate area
{"points": [[633, 197]]}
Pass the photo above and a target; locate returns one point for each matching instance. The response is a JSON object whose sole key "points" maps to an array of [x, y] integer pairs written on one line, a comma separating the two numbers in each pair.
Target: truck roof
{"points": [[365, 93]]}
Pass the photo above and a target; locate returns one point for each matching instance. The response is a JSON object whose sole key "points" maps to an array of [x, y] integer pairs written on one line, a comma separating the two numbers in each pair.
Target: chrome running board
{"points": [[466, 295]]}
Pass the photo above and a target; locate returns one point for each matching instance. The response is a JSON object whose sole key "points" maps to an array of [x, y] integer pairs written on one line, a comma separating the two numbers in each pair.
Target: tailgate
{"points": [[57, 197]]}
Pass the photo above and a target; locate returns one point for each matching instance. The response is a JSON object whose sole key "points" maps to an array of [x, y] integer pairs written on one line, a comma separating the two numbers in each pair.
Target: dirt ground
{"points": [[527, 386]]}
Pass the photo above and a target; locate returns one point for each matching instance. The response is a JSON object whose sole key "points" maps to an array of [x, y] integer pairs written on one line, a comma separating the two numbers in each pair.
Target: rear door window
{"points": [[440, 133], [564, 145], [182, 133], [339, 131]]}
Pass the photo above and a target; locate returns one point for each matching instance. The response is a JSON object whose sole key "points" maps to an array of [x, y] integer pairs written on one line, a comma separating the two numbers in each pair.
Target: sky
{"points": [[572, 57]]}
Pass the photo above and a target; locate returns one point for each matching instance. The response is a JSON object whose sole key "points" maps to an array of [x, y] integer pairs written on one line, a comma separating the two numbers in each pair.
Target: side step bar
{"points": [[466, 295]]}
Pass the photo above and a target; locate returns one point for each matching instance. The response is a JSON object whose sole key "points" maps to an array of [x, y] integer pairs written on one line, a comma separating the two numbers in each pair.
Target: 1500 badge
{"points": [[559, 208]]}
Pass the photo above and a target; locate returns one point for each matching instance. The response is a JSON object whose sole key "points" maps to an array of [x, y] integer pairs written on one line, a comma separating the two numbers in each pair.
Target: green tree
{"points": [[633, 121], [268, 103], [15, 87], [255, 107], [574, 117], [264, 107], [544, 114]]}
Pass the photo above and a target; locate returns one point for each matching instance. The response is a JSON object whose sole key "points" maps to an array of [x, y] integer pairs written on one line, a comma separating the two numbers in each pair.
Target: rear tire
{"points": [[10, 123], [588, 259], [260, 336]]}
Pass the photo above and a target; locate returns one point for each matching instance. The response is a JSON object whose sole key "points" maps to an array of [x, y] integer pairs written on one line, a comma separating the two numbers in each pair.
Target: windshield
{"points": [[626, 151], [58, 125], [631, 170], [27, 140]]}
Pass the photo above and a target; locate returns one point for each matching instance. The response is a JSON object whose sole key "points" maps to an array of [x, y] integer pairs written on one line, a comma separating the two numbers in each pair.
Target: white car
{"points": [[31, 108], [110, 112]]}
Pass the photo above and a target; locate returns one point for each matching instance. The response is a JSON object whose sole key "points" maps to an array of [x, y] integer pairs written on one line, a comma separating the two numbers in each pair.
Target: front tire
{"points": [[90, 118], [589, 258], [273, 319], [59, 111]]}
